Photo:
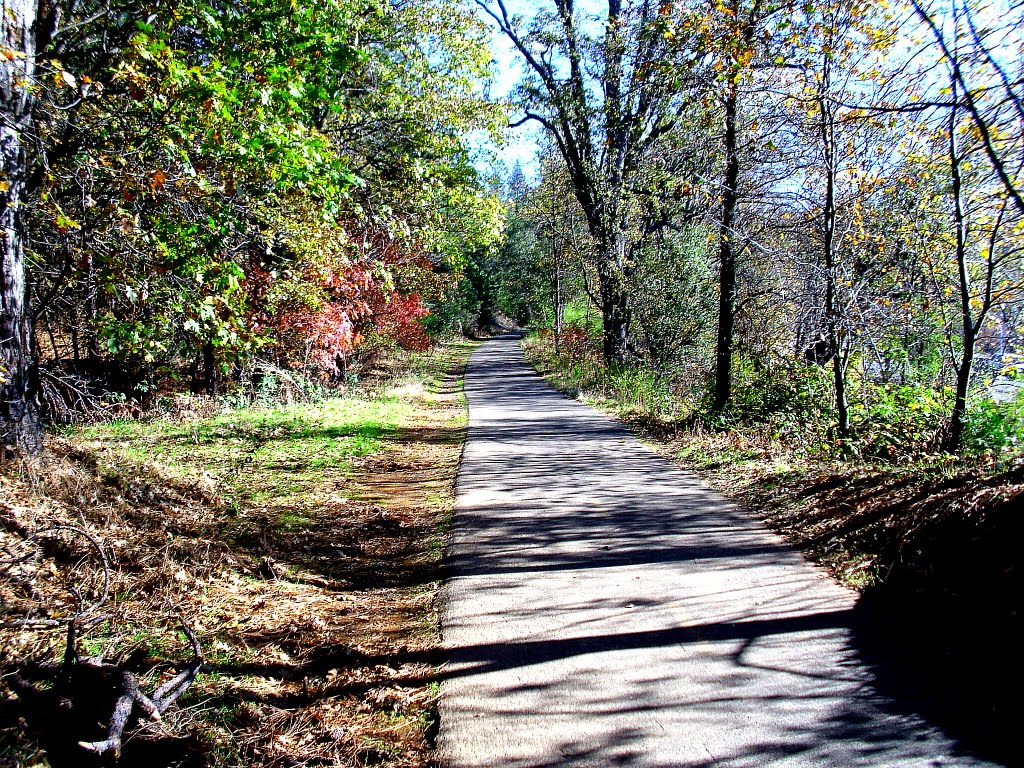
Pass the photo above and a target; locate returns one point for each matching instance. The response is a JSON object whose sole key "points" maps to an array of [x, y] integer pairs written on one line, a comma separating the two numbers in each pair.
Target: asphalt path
{"points": [[607, 609]]}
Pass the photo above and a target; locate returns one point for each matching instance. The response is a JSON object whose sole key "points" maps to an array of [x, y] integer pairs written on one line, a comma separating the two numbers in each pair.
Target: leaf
{"points": [[157, 179], [65, 223]]}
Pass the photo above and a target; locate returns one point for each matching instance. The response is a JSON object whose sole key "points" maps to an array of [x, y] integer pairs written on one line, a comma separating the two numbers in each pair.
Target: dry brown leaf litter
{"points": [[320, 641]]}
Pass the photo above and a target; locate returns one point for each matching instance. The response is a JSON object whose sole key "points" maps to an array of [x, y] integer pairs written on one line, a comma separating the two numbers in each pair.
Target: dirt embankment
{"points": [[305, 556]]}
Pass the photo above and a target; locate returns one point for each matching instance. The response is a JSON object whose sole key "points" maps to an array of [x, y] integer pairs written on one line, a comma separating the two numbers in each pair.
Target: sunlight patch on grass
{"points": [[263, 453]]}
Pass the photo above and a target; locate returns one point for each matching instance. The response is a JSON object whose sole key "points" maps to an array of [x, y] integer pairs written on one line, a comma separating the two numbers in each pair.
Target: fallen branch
{"points": [[68, 397], [153, 706]]}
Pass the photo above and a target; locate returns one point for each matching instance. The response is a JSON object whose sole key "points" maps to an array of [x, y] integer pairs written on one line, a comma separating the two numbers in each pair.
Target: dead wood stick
{"points": [[197, 649], [96, 662], [146, 704], [122, 711], [41, 623], [71, 649], [154, 706], [169, 692]]}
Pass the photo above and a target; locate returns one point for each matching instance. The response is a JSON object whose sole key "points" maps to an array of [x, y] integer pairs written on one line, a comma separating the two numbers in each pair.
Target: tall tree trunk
{"points": [[957, 419], [969, 329], [616, 272], [727, 255], [209, 369], [20, 420], [833, 309], [616, 315], [615, 311], [558, 300]]}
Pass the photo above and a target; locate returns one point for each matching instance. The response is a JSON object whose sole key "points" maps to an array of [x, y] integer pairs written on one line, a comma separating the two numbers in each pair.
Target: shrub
{"points": [[891, 421], [791, 401], [992, 426]]}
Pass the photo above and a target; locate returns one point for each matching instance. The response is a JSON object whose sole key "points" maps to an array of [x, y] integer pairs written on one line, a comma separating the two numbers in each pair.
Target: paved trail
{"points": [[608, 610]]}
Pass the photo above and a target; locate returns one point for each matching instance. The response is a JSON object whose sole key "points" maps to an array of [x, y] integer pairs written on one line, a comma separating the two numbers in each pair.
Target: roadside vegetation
{"points": [[862, 518], [785, 239], [301, 543]]}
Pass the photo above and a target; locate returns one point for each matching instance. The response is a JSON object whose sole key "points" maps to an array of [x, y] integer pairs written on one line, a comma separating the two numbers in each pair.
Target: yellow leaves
{"points": [[5, 186]]}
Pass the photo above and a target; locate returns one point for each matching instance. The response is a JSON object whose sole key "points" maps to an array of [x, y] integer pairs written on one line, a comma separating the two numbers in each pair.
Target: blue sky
{"points": [[522, 142]]}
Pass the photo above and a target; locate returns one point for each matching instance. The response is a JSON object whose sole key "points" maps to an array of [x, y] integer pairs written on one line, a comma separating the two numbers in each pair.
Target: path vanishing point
{"points": [[606, 609]]}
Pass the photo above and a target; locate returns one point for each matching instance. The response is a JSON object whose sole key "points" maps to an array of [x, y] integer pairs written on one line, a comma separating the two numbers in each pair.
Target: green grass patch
{"points": [[263, 454]]}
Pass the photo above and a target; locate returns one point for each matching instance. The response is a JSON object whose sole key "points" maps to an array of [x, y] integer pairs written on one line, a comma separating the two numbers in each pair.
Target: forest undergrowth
{"points": [[931, 541], [301, 544]]}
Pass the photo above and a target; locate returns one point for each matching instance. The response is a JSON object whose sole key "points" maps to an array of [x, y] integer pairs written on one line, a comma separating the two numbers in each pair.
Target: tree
{"points": [[607, 100], [734, 43], [189, 174], [843, 31], [542, 266], [982, 117], [20, 417], [986, 240]]}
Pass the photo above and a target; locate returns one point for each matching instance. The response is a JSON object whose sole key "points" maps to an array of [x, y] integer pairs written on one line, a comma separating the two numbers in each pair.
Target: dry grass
{"points": [[864, 521], [303, 547]]}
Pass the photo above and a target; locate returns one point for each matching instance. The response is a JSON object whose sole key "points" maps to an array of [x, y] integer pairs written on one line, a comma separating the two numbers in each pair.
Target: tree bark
{"points": [[969, 325], [616, 316], [20, 418], [954, 433], [958, 418], [615, 311], [727, 256], [557, 325], [833, 309], [615, 274]]}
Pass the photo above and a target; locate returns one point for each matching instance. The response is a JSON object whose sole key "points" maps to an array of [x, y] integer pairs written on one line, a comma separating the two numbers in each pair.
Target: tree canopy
{"points": [[841, 179], [193, 187]]}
